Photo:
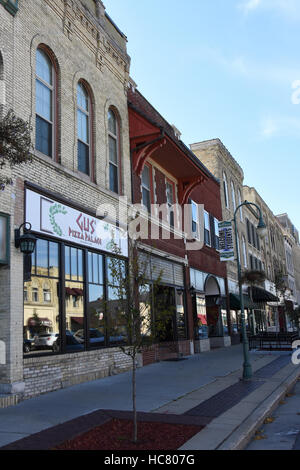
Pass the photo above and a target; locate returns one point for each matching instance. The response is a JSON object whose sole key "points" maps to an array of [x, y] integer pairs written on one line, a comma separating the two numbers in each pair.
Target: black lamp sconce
{"points": [[27, 241], [192, 291]]}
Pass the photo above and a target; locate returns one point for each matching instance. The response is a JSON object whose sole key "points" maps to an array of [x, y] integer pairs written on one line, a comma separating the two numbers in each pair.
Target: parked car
{"points": [[28, 345], [72, 343], [45, 340], [96, 337]]}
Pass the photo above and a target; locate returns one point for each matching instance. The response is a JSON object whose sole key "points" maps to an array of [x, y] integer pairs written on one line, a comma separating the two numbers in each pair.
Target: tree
{"points": [[131, 309], [15, 144]]}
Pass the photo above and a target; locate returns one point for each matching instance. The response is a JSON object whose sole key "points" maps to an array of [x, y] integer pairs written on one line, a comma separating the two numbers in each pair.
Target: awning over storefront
{"points": [[262, 296], [42, 322], [74, 291], [203, 319], [78, 320], [235, 303]]}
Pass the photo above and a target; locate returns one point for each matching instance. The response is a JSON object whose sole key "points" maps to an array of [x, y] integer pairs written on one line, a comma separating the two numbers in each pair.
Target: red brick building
{"points": [[182, 207]]}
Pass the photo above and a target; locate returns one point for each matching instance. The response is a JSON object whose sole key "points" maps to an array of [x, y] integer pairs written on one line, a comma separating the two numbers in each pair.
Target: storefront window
{"points": [[116, 304], [41, 300], [180, 315], [74, 297], [201, 317], [96, 306]]}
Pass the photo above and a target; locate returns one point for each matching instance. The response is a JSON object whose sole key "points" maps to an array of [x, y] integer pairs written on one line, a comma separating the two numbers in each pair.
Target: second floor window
{"points": [[146, 188], [225, 186], [83, 129], [207, 231], [195, 220], [113, 143], [217, 234], [170, 202], [44, 134]]}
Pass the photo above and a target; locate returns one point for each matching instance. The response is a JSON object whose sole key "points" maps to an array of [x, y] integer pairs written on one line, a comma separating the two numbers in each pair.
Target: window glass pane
{"points": [[113, 154], [112, 124], [43, 66], [180, 316], [83, 157], [116, 319], [113, 178], [83, 126], [42, 257], [147, 199], [90, 267], [80, 265], [146, 177], [53, 259], [3, 238], [43, 101], [68, 262], [74, 268], [41, 316], [96, 312], [43, 138], [202, 329], [74, 317], [95, 269], [115, 268], [82, 97], [145, 310]]}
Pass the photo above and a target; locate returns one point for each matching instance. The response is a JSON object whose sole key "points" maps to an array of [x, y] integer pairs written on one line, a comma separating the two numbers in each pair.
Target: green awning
{"points": [[235, 303]]}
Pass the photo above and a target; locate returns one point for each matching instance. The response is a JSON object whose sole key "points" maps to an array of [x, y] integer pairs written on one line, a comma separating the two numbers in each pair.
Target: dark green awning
{"points": [[235, 303]]}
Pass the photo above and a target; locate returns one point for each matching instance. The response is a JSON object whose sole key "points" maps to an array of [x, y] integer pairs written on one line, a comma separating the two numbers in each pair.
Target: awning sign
{"points": [[226, 241], [50, 217]]}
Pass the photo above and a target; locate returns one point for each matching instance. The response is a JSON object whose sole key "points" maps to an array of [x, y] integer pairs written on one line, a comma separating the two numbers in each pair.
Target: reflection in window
{"points": [[44, 103], [113, 145], [83, 129], [202, 329], [180, 315], [41, 308]]}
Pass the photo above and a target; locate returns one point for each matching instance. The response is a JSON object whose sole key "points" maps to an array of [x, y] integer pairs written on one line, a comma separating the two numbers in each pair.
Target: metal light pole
{"points": [[262, 229]]}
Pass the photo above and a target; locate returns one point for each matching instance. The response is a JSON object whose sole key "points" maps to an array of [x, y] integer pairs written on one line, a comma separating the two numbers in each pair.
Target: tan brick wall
{"points": [[46, 374], [83, 50]]}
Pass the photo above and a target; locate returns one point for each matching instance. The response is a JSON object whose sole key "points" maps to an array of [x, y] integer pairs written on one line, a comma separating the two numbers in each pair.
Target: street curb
{"points": [[242, 435]]}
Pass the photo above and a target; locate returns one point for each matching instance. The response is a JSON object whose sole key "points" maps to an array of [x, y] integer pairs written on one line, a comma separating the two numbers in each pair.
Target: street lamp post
{"points": [[261, 228]]}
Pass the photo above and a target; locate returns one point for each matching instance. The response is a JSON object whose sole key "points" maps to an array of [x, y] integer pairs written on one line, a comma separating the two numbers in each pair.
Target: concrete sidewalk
{"points": [[168, 387]]}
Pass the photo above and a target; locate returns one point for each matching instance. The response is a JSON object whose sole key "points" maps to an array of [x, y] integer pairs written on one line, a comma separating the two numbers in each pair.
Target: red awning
{"points": [[203, 319], [74, 291], [78, 320], [43, 322]]}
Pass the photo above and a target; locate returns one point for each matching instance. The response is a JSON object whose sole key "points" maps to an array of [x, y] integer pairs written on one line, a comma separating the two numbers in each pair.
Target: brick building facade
{"points": [[63, 63]]}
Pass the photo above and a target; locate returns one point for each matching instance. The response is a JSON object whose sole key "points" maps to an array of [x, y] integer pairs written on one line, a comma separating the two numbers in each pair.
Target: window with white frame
{"points": [[114, 160], [146, 188], [207, 231], [244, 252], [170, 202], [233, 196], [195, 220], [45, 115], [241, 208], [225, 186], [83, 129], [217, 234]]}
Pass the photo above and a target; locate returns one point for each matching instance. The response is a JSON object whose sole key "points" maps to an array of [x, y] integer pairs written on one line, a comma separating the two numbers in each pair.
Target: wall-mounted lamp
{"points": [[192, 290], [180, 291], [27, 241]]}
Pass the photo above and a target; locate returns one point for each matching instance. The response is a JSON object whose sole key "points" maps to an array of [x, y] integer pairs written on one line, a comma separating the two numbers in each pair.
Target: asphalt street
{"points": [[282, 431]]}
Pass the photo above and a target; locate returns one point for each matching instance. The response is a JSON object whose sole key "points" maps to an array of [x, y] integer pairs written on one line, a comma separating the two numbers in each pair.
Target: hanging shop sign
{"points": [[50, 217], [226, 241]]}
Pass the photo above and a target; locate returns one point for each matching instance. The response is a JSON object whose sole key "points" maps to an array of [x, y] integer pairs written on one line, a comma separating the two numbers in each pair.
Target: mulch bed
{"points": [[117, 434]]}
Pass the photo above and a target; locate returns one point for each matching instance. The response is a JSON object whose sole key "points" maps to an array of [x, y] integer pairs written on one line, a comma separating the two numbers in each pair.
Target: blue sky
{"points": [[226, 69]]}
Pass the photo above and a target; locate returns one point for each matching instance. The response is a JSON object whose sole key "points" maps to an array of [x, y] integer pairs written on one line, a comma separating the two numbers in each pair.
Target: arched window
{"points": [[233, 196], [83, 129], [244, 252], [45, 104], [225, 185], [241, 208], [114, 159]]}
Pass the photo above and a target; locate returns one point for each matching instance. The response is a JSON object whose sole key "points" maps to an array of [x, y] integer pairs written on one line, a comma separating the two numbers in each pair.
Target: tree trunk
{"points": [[134, 398]]}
